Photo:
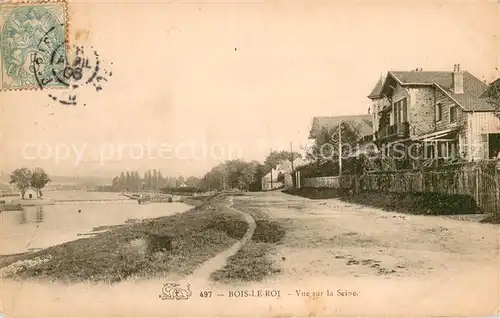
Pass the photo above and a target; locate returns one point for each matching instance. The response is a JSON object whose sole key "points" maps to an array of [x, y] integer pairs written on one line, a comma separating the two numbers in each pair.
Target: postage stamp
{"points": [[24, 29]]}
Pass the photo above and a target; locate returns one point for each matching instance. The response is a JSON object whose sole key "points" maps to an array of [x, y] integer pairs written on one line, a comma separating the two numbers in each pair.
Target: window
{"points": [[452, 149], [442, 149], [453, 114], [439, 112], [400, 112], [404, 111], [429, 150]]}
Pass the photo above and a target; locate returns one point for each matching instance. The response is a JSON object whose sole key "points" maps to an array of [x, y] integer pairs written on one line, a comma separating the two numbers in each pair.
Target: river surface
{"points": [[39, 227]]}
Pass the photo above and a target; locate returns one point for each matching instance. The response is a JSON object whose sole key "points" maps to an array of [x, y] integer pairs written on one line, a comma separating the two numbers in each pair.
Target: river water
{"points": [[38, 227]]}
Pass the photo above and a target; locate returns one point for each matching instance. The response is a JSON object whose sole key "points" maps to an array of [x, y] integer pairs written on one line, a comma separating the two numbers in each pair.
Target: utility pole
{"points": [[340, 148], [291, 161], [270, 152]]}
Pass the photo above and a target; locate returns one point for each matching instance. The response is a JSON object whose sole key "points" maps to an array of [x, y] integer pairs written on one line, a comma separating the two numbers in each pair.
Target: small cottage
{"points": [[30, 193]]}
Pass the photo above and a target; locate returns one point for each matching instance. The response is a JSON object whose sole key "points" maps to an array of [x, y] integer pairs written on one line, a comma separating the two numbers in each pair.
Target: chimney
{"points": [[458, 80]]}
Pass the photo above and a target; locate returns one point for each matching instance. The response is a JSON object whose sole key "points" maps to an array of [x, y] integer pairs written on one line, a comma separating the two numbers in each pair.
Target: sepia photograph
{"points": [[249, 158]]}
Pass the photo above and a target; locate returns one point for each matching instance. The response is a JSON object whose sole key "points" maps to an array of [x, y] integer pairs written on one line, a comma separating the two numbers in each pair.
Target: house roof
{"points": [[365, 123], [471, 100], [286, 166], [377, 90]]}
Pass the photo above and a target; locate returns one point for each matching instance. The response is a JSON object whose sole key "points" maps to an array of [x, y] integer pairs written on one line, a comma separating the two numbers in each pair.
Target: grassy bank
{"points": [[252, 262], [412, 203], [168, 245]]}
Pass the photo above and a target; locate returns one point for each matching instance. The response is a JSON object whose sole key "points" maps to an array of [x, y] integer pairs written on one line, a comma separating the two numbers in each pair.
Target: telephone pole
{"points": [[291, 161], [270, 152], [340, 148]]}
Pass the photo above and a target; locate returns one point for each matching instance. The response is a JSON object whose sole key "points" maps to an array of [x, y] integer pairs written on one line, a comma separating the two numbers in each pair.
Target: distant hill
{"points": [[77, 180]]}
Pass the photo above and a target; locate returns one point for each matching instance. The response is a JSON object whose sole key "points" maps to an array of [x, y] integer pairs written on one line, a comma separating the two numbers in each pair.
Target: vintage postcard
{"points": [[249, 158]]}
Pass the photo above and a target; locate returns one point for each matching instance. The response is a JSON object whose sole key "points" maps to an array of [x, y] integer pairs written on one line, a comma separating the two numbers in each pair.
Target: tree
{"points": [[155, 179], [161, 181], [39, 179], [180, 180], [233, 174], [326, 143], [21, 178], [492, 94], [192, 182], [149, 181], [128, 179]]}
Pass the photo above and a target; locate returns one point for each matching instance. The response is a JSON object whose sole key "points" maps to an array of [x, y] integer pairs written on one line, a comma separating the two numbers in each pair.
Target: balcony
{"points": [[399, 130]]}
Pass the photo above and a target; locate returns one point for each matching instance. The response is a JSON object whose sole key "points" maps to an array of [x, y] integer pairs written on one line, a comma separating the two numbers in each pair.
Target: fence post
{"points": [[476, 193]]}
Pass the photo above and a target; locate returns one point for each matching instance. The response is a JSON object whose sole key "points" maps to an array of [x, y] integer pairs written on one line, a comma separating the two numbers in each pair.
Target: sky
{"points": [[218, 80]]}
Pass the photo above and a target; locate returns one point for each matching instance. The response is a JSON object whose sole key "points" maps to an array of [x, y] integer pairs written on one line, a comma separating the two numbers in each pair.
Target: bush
{"points": [[233, 228]]}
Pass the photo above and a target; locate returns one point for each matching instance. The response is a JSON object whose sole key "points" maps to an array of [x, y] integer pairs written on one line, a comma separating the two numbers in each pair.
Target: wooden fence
{"points": [[321, 182], [482, 185]]}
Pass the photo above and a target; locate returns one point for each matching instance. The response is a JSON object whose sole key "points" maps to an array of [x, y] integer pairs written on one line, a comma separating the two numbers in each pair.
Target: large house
{"points": [[435, 114]]}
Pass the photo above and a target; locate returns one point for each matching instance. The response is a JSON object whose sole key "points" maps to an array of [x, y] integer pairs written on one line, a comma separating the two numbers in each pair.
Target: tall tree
{"points": [[149, 181], [128, 179], [21, 178], [180, 180], [192, 182], [155, 179], [122, 178], [39, 179], [161, 181], [326, 143]]}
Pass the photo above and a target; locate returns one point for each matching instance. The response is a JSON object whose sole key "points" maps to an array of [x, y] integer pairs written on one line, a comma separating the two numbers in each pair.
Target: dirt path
{"points": [[201, 276], [442, 264]]}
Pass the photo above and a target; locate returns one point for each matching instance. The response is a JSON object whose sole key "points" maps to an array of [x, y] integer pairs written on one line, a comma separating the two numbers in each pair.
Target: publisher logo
{"points": [[173, 291]]}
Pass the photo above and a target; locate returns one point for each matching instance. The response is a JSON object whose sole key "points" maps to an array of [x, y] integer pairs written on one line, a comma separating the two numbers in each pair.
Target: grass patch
{"points": [[268, 231], [249, 264], [168, 245]]}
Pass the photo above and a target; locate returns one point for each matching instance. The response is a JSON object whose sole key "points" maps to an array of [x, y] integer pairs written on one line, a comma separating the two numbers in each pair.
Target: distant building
{"points": [[30, 194], [281, 175]]}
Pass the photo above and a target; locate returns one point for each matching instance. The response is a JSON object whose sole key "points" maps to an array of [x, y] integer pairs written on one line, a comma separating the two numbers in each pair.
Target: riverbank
{"points": [[171, 245], [32, 202]]}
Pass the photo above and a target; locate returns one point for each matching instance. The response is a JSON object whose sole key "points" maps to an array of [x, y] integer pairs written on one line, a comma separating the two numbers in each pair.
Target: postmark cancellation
{"points": [[30, 31]]}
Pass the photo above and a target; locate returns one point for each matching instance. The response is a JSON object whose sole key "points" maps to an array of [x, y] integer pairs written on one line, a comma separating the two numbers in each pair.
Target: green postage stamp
{"points": [[31, 34]]}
